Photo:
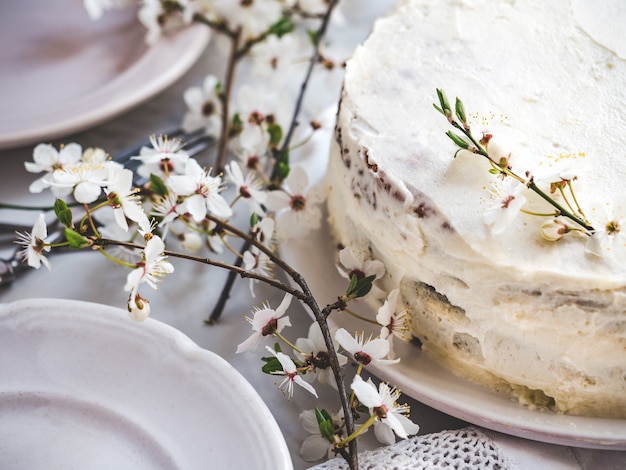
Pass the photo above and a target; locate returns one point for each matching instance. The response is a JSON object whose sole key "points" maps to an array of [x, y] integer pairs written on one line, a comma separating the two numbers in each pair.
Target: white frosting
{"points": [[604, 22], [397, 190]]}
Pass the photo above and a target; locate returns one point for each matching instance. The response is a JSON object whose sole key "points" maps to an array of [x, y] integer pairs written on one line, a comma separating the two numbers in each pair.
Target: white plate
{"points": [[82, 386], [62, 72], [421, 378]]}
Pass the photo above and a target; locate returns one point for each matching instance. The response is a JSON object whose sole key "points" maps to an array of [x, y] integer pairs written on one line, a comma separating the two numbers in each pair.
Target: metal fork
{"points": [[10, 268]]}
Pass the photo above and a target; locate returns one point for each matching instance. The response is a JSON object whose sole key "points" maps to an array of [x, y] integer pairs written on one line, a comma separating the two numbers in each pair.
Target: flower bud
{"points": [[138, 308], [553, 230], [498, 152], [191, 241]]}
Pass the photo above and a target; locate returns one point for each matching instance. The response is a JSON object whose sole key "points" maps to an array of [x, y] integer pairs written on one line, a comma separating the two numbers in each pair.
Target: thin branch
{"points": [[225, 294], [254, 242], [321, 318], [319, 34], [104, 242], [228, 86]]}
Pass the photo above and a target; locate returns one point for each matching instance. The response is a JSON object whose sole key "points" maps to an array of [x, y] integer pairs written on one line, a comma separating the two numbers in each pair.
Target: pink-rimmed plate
{"points": [[63, 72]]}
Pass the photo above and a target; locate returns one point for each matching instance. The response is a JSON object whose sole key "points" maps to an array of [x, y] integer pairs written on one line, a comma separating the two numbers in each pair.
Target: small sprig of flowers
{"points": [[605, 237], [129, 216]]}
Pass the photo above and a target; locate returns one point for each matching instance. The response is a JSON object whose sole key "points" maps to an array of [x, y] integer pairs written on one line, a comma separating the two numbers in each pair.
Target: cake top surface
{"points": [[546, 79]]}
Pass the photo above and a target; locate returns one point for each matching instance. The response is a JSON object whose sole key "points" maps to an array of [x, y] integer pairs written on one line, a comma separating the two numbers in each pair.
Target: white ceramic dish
{"points": [[62, 72], [422, 379], [82, 386]]}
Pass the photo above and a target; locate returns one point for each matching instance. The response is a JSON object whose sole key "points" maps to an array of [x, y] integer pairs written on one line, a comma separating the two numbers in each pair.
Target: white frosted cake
{"points": [[544, 321]]}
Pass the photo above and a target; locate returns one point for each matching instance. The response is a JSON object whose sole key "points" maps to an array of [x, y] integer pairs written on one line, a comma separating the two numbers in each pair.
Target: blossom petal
{"points": [[277, 200], [383, 433], [196, 206], [394, 423], [297, 181], [219, 207], [347, 341], [250, 343], [284, 305], [305, 385], [366, 392], [314, 448], [87, 192]]}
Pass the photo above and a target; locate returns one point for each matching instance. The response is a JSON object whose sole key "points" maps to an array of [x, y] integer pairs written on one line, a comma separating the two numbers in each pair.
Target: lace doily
{"points": [[461, 449]]}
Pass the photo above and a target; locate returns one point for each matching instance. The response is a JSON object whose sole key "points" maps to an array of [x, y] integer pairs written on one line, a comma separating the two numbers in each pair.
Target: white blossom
{"points": [[204, 107], [266, 321], [34, 244], [609, 238], [166, 157], [83, 180], [161, 18], [315, 446], [215, 238], [253, 16], [202, 191], [506, 202], [279, 58], [125, 200], [48, 159], [296, 206], [249, 188], [152, 267], [382, 404], [364, 351], [393, 322], [167, 209], [353, 266], [313, 351], [256, 261], [291, 374]]}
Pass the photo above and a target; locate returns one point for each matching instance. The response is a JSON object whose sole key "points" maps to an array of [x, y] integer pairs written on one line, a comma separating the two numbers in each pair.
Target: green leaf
{"points": [[272, 364], [438, 109], [360, 287], [276, 134], [457, 140], [281, 27], [158, 185], [352, 285], [443, 101], [254, 219], [326, 425], [75, 239], [321, 415], [312, 36], [237, 124], [63, 213], [460, 111]]}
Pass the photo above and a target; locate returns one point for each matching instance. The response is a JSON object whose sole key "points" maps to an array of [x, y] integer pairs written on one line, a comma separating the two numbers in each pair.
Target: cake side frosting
{"points": [[511, 310]]}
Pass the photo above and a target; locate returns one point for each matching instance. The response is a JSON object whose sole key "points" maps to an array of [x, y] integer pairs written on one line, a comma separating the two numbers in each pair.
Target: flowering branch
{"points": [[104, 242], [185, 202], [317, 40], [458, 120]]}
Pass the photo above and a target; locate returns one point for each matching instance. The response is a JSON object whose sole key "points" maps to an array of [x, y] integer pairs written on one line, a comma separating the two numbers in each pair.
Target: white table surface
{"points": [[185, 299]]}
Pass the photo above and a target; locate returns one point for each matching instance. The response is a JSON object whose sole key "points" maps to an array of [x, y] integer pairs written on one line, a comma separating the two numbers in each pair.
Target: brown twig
{"points": [[225, 294], [228, 86], [319, 34]]}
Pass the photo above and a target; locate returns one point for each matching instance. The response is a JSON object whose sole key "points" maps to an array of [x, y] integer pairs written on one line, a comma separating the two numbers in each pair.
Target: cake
{"points": [[543, 321]]}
